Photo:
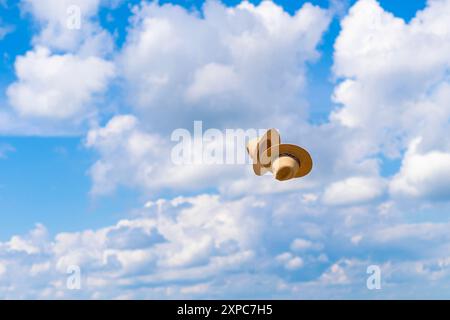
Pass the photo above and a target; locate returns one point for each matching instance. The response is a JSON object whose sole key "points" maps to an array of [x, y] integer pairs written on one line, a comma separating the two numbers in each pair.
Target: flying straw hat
{"points": [[257, 146], [287, 161]]}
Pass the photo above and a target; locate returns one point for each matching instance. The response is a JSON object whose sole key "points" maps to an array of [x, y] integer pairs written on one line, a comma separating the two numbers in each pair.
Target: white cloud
{"points": [[58, 86], [208, 246], [423, 175], [303, 244], [294, 264], [394, 75], [212, 80], [354, 190], [290, 261], [33, 243], [356, 239], [309, 198], [62, 79], [227, 66], [55, 18], [387, 98], [56, 10], [132, 157], [175, 240], [337, 273]]}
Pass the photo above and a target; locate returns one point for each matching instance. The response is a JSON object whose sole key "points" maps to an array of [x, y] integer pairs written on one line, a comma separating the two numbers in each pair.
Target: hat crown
{"points": [[284, 168], [252, 149], [257, 147]]}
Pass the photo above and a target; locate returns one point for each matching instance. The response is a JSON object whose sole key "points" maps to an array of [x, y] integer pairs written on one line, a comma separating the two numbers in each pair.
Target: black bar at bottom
{"points": [[222, 309]]}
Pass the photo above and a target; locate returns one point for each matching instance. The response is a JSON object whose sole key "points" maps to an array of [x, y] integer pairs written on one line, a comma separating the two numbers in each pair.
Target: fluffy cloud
{"points": [[354, 190], [184, 239], [62, 79], [69, 25], [389, 97], [289, 261], [56, 10], [57, 86], [130, 156], [302, 244], [423, 175], [388, 92], [229, 61], [124, 148], [208, 246]]}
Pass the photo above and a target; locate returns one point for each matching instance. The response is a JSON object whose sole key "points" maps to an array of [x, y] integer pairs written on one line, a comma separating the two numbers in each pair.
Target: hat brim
{"points": [[268, 140], [303, 157]]}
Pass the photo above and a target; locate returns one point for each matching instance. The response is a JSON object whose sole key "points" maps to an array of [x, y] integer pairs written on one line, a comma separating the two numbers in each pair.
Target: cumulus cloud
{"points": [[354, 190], [69, 25], [57, 86], [224, 62], [388, 97], [289, 261], [184, 239], [62, 79], [130, 156], [303, 244], [206, 246], [423, 175], [122, 137], [390, 71]]}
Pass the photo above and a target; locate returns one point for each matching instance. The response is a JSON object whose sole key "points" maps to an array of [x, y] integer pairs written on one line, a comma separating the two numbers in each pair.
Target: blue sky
{"points": [[85, 179]]}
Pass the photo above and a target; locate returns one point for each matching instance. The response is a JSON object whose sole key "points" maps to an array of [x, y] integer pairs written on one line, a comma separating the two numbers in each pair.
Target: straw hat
{"points": [[257, 146], [288, 161]]}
